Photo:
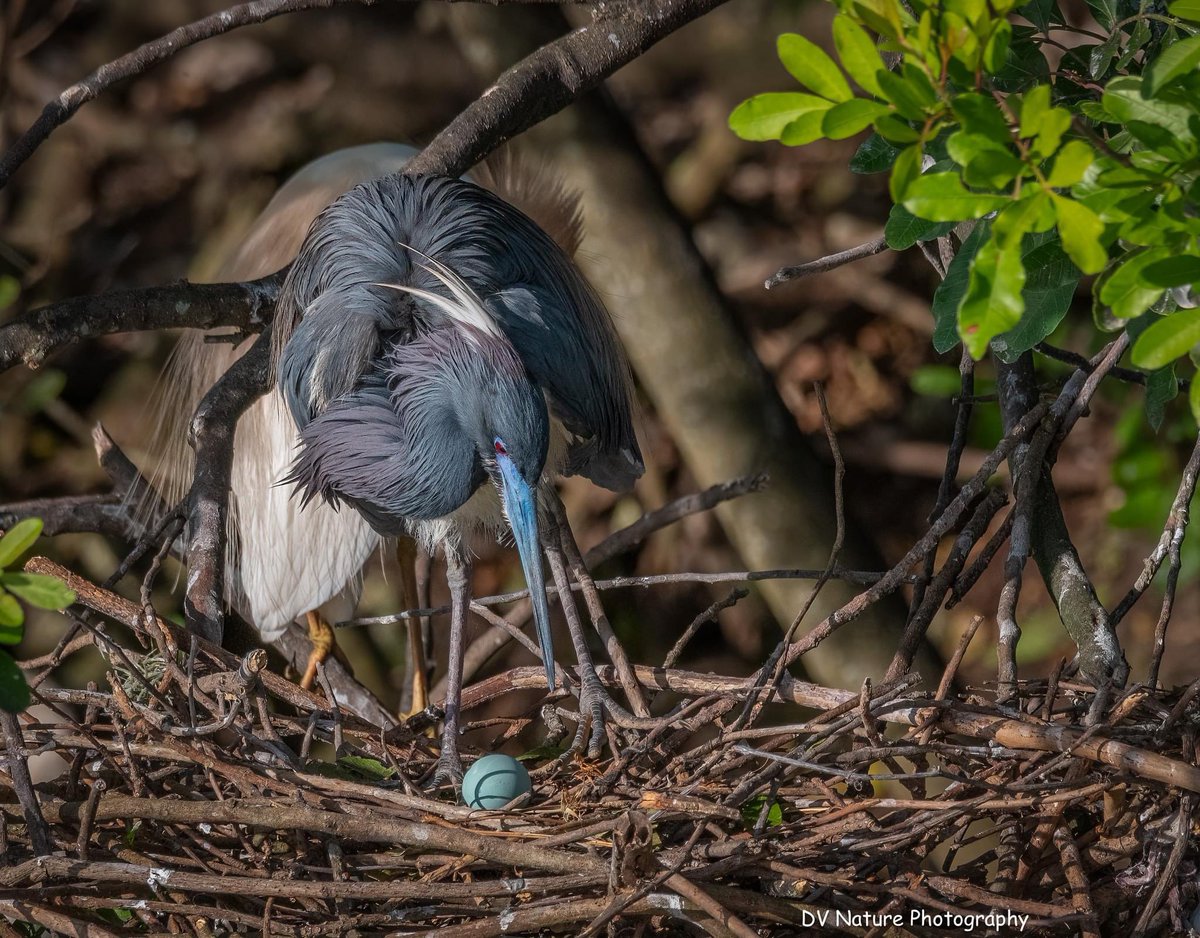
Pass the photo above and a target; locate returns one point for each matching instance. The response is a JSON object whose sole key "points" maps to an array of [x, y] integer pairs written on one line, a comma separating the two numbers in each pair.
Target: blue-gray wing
{"points": [[351, 291]]}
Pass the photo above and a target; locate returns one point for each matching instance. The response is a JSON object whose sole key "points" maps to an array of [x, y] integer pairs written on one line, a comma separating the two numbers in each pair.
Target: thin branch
{"points": [[895, 577], [18, 771], [827, 263], [858, 577], [1169, 543]]}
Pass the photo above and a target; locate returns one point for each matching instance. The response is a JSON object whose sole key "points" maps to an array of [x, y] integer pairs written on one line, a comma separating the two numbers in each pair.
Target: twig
{"points": [[1081, 898], [860, 577], [1169, 544], [708, 615], [18, 770], [616, 543], [1181, 830], [829, 262], [928, 542]]}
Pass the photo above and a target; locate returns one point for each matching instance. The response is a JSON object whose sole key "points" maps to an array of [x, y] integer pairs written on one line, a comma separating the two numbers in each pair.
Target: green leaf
{"points": [[1186, 10], [1177, 271], [1050, 283], [1125, 291], [906, 169], [979, 114], [984, 161], [1032, 212], [765, 116], [1105, 12], [858, 53], [806, 128], [1162, 387], [1034, 106], [874, 155], [850, 117], [950, 291], [1102, 56], [993, 302], [1053, 125], [38, 589], [1166, 340], [14, 692], [753, 808], [996, 51], [542, 753], [18, 539], [1070, 164], [1124, 102], [12, 619], [1137, 41], [942, 197], [894, 130], [904, 229], [367, 768], [810, 65], [1080, 229], [910, 99], [1042, 13], [1025, 63]]}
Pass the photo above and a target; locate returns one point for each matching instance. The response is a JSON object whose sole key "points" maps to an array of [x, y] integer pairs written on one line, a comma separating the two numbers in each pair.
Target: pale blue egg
{"points": [[494, 781]]}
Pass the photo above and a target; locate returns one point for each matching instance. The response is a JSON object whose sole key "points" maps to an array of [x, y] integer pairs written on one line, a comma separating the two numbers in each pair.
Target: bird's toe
{"points": [[448, 771]]}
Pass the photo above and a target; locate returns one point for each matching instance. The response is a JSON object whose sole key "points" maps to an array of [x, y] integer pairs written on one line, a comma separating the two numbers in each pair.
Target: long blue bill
{"points": [[521, 508]]}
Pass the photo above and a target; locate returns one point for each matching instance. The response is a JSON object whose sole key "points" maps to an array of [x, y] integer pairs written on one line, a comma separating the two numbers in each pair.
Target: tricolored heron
{"points": [[444, 360], [436, 265]]}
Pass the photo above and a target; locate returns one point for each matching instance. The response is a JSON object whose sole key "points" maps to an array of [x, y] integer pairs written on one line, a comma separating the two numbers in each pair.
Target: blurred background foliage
{"points": [[157, 179]]}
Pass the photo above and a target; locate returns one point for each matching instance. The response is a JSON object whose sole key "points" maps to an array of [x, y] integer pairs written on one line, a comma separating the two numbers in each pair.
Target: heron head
{"points": [[513, 443]]}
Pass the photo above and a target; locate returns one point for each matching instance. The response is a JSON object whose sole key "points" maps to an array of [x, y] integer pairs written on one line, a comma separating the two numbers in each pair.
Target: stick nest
{"points": [[217, 797]]}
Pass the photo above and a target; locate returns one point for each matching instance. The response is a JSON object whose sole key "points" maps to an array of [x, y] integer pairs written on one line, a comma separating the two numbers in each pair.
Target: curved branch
{"points": [[547, 80]]}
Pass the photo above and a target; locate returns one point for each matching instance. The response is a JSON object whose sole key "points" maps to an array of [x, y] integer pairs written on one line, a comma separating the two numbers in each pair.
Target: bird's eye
{"points": [[500, 448]]}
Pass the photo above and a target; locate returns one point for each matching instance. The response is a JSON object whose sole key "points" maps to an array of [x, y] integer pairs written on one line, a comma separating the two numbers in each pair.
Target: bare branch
{"points": [[212, 436], [829, 262], [30, 338], [550, 78]]}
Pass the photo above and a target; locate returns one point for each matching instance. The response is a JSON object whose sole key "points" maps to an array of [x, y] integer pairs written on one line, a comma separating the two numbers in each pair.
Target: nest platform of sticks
{"points": [[212, 796]]}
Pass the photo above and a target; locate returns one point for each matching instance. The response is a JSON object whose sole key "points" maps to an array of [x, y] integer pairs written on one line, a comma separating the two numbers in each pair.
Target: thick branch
{"points": [[212, 436], [550, 78], [1040, 528], [38, 333]]}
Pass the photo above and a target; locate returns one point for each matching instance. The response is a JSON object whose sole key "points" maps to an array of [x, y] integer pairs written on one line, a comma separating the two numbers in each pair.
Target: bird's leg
{"points": [[320, 633], [591, 595], [591, 694], [458, 575], [416, 689]]}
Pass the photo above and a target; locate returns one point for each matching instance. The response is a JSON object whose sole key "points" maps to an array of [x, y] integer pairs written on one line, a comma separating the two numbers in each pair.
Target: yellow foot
{"points": [[320, 633], [406, 555]]}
